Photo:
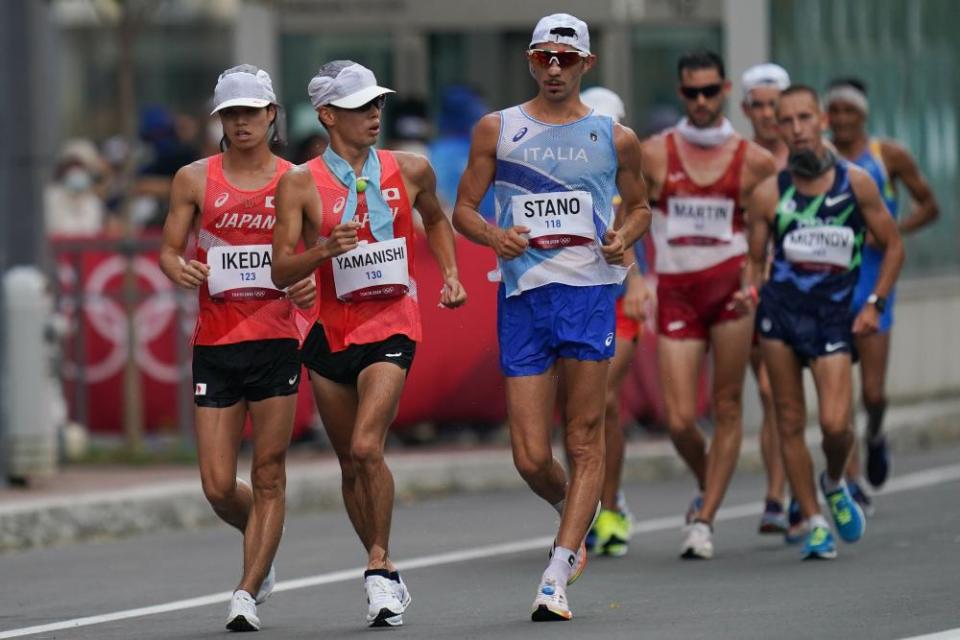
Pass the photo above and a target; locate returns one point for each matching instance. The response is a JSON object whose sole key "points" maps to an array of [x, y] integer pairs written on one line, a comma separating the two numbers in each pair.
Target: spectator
{"points": [[72, 206]]}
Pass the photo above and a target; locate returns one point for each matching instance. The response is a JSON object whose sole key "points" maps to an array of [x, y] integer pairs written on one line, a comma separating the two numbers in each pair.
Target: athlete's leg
{"points": [[218, 442], [337, 404], [679, 370], [378, 389], [530, 401], [584, 444], [730, 343], [786, 383], [272, 427], [613, 432], [769, 439], [874, 353], [832, 375]]}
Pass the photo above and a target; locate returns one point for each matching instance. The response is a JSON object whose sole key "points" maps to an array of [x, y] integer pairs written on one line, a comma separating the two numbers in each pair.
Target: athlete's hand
{"points": [[612, 247], [745, 300], [509, 243], [303, 293], [867, 321], [192, 274], [342, 238], [453, 294], [636, 298]]}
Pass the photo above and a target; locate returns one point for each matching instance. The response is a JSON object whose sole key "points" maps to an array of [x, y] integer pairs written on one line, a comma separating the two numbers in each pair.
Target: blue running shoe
{"points": [[796, 527], [847, 514], [819, 545], [878, 461], [860, 497]]}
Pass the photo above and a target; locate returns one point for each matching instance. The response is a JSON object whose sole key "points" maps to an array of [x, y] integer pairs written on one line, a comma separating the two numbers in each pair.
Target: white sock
{"points": [[559, 506], [817, 520], [561, 565], [830, 485]]}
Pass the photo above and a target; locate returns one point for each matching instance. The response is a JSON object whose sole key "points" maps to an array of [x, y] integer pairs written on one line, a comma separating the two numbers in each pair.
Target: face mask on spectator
{"points": [[77, 180]]}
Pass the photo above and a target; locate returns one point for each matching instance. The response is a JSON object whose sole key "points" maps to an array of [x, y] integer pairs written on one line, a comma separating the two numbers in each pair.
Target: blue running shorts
{"points": [[555, 321]]}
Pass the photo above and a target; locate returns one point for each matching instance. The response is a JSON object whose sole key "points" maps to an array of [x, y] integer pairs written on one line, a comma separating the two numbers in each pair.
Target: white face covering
{"points": [[214, 131], [77, 180], [710, 137]]}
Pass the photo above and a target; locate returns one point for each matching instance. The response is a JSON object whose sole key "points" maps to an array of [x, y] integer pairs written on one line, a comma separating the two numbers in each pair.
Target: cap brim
{"points": [[361, 97], [256, 103]]}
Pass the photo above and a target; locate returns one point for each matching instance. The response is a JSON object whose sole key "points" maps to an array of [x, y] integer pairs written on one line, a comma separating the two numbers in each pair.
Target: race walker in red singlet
{"points": [[368, 297], [246, 342]]}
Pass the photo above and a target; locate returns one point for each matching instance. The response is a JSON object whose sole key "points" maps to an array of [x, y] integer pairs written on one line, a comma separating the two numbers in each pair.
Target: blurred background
{"points": [[103, 100]]}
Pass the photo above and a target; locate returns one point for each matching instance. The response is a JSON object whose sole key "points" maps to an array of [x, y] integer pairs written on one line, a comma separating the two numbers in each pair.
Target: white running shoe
{"points": [[243, 613], [266, 587], [403, 594], [551, 602], [698, 543], [384, 606]]}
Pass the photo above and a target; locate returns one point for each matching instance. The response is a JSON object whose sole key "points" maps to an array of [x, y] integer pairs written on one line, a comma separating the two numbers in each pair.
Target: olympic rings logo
{"points": [[107, 317]]}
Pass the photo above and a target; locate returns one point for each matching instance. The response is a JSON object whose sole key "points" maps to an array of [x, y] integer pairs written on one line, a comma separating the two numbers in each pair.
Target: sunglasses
{"points": [[564, 59], [377, 102], [707, 91]]}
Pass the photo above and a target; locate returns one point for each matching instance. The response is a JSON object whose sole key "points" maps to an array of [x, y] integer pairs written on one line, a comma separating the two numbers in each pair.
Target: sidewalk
{"points": [[101, 502]]}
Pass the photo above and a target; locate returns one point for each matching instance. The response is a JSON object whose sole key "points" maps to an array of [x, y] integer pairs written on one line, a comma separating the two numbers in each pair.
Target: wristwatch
{"points": [[877, 301]]}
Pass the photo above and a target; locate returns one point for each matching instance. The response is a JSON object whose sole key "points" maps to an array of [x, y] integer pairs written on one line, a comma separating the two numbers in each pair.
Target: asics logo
{"points": [[339, 205], [221, 200], [830, 347], [522, 132], [766, 324], [609, 340], [200, 389], [830, 201]]}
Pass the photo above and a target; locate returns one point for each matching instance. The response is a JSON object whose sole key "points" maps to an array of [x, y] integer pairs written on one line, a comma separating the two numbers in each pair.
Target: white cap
{"points": [[344, 84], [243, 86], [768, 74], [604, 102], [564, 29]]}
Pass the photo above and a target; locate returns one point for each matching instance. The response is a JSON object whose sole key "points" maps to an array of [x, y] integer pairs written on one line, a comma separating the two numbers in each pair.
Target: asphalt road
{"points": [[472, 564]]}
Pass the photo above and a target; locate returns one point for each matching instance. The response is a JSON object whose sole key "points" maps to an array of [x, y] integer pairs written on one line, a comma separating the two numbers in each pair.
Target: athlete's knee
{"points": [[533, 464], [874, 397], [837, 425], [791, 422], [727, 410], [268, 476], [681, 423], [219, 491], [366, 452]]}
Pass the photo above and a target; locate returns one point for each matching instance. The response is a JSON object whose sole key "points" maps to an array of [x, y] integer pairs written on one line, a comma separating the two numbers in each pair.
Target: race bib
{"points": [[556, 220], [820, 248], [241, 272], [693, 220], [372, 271]]}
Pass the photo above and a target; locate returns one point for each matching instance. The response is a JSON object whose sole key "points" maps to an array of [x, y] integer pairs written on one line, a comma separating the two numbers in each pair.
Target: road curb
{"points": [[315, 486]]}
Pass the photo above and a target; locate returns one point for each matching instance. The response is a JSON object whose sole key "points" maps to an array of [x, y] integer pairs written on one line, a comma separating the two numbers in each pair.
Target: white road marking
{"points": [[909, 482]]}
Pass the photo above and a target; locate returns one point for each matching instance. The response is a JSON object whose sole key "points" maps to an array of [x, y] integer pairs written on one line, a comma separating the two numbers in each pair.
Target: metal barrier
{"points": [[98, 299]]}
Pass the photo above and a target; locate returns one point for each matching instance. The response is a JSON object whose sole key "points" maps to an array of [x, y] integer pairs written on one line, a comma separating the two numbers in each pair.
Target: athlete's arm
{"points": [[479, 174], [186, 196], [902, 166], [294, 193], [760, 208], [884, 230], [418, 171], [634, 211], [653, 164], [760, 165]]}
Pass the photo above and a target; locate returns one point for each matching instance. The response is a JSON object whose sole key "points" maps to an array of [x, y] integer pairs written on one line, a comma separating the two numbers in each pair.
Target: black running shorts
{"points": [[344, 367], [223, 375]]}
